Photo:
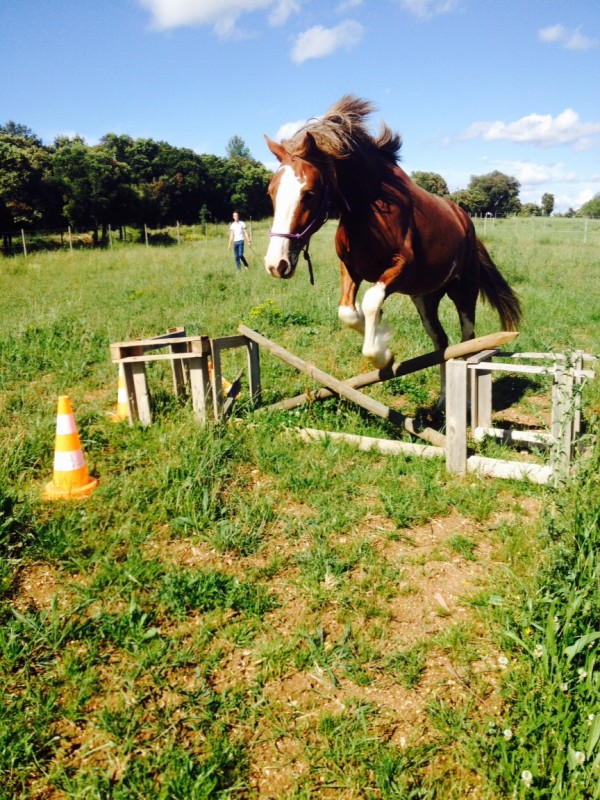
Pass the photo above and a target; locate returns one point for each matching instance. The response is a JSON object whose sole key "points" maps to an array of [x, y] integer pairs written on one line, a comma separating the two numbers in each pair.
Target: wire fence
{"points": [[540, 229], [22, 242]]}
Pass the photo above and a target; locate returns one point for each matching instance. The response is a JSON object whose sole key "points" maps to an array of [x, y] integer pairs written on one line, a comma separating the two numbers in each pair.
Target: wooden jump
{"points": [[196, 367]]}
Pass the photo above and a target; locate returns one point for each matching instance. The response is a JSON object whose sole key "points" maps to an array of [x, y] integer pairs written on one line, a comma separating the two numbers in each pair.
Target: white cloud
{"points": [[542, 130], [532, 173], [425, 9], [282, 11], [318, 42], [222, 15], [288, 129], [568, 40]]}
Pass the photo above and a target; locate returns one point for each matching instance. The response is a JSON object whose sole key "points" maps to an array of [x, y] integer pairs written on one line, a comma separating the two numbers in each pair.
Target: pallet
{"points": [[196, 367]]}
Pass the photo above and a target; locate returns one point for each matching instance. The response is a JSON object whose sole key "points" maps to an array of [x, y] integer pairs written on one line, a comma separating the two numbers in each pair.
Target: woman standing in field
{"points": [[237, 234]]}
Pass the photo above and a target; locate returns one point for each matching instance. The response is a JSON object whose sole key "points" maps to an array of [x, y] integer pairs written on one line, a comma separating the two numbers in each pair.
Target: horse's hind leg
{"points": [[349, 311], [427, 305], [464, 297]]}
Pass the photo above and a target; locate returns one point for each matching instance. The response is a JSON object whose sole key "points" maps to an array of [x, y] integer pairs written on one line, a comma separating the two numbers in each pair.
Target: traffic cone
{"points": [[122, 411], [71, 479]]}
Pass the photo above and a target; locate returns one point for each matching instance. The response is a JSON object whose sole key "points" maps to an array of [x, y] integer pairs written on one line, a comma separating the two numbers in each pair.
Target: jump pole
{"points": [[489, 342], [343, 389]]}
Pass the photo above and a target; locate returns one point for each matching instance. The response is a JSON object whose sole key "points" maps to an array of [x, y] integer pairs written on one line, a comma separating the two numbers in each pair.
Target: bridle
{"points": [[319, 219]]}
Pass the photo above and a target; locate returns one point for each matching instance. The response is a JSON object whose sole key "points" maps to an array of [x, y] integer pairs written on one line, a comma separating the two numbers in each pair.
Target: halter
{"points": [[319, 219]]}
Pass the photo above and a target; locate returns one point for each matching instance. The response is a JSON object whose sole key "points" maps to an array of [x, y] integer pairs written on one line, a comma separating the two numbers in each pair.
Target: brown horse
{"points": [[391, 232]]}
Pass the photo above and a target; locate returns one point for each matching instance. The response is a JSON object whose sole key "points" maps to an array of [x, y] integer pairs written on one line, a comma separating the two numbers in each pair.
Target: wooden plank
{"points": [[179, 368], [512, 470], [254, 384], [200, 387], [456, 416], [371, 443], [216, 379], [400, 368], [481, 390], [158, 357], [132, 408], [142, 395], [147, 345], [344, 389]]}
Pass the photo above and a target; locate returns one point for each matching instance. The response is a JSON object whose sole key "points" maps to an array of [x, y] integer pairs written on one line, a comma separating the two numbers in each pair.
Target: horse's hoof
{"points": [[382, 360]]}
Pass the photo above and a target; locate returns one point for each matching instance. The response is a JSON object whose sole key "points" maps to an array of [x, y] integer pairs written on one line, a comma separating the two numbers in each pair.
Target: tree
{"points": [[93, 184], [431, 182], [547, 204], [591, 208], [531, 210], [236, 149], [495, 193]]}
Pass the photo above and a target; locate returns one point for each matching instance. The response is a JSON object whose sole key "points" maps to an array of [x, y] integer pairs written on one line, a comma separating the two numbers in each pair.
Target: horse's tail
{"points": [[496, 291]]}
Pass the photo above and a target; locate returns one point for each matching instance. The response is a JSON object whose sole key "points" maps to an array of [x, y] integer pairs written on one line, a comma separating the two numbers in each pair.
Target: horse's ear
{"points": [[278, 150]]}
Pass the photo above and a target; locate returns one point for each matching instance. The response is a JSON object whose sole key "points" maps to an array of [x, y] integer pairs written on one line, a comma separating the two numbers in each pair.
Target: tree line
{"points": [[141, 182], [122, 181]]}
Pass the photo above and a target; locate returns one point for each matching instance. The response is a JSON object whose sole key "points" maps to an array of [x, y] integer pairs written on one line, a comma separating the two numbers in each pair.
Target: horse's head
{"points": [[299, 194]]}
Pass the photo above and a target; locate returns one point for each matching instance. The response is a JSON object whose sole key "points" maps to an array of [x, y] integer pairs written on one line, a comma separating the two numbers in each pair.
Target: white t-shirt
{"points": [[238, 229]]}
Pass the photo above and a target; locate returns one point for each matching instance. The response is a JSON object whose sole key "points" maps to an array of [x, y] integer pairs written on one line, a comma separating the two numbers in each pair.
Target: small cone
{"points": [[71, 479], [122, 411]]}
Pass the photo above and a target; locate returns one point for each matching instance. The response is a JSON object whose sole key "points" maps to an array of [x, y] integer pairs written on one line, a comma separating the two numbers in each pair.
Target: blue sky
{"points": [[472, 85]]}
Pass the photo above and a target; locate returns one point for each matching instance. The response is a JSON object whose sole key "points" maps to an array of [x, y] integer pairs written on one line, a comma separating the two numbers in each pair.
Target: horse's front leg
{"points": [[349, 311], [377, 333]]}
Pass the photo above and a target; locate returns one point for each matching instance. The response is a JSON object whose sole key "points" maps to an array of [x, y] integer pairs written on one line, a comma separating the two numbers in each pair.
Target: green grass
{"points": [[233, 613]]}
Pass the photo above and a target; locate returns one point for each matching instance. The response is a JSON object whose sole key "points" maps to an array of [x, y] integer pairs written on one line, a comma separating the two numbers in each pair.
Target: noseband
{"points": [[319, 219]]}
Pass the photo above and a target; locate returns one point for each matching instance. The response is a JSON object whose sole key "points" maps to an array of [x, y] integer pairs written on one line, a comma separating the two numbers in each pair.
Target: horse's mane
{"points": [[342, 133]]}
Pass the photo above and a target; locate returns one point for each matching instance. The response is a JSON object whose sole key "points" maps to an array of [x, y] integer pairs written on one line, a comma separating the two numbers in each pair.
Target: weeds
{"points": [[236, 614]]}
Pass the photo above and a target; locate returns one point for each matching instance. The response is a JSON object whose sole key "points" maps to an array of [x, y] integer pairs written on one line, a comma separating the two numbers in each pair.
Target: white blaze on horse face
{"points": [[377, 334], [286, 202]]}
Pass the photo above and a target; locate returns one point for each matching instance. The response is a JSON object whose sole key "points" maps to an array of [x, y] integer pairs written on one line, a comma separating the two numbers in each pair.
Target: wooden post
{"points": [[23, 240], [481, 391], [254, 384], [141, 393], [70, 240], [456, 416], [110, 241], [146, 234], [200, 386]]}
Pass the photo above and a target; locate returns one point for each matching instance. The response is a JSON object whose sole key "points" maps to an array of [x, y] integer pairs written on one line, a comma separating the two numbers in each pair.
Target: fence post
{"points": [[23, 239], [70, 240], [146, 234]]}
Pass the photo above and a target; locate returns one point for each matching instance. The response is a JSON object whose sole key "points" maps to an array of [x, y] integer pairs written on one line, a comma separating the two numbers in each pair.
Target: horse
{"points": [[391, 232]]}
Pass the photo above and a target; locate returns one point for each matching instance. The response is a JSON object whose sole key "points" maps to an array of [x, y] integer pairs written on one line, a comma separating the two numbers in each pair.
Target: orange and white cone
{"points": [[122, 411], [71, 479]]}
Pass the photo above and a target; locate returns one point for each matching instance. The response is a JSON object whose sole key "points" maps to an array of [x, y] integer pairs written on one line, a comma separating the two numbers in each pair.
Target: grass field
{"points": [[235, 614]]}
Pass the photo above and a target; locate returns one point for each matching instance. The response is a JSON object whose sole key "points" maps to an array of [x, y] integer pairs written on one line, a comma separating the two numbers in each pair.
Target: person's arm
{"points": [[246, 235], [230, 239]]}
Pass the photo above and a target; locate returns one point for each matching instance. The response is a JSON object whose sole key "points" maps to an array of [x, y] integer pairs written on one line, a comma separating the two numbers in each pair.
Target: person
{"points": [[237, 235]]}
